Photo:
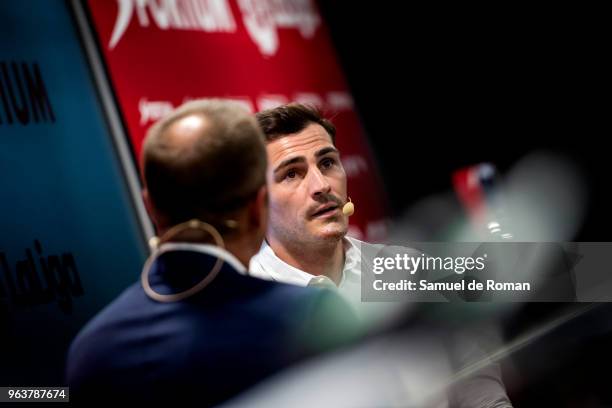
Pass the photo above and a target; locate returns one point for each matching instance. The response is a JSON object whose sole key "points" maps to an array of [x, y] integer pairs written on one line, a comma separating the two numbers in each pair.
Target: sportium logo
{"points": [[262, 19]]}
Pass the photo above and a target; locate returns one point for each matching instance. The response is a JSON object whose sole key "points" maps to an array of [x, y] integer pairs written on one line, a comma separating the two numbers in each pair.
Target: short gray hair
{"points": [[215, 174]]}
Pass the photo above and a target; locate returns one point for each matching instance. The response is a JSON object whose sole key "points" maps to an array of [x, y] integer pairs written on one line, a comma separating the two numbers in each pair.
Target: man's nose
{"points": [[318, 184]]}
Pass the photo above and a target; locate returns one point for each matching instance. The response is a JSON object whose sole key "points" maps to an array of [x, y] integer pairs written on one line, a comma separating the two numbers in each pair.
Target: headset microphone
{"points": [[349, 208]]}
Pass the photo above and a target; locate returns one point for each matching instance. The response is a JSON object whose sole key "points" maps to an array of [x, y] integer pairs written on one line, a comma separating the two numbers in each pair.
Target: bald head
{"points": [[204, 160], [186, 131]]}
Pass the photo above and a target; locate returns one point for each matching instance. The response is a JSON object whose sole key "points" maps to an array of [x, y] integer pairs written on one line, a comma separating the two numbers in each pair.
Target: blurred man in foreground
{"points": [[197, 326]]}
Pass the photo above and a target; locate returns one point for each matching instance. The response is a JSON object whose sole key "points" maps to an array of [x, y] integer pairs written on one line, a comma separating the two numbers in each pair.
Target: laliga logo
{"points": [[261, 18]]}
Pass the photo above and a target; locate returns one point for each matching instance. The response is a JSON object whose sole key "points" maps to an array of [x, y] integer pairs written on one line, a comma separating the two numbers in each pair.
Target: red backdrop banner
{"points": [[161, 53]]}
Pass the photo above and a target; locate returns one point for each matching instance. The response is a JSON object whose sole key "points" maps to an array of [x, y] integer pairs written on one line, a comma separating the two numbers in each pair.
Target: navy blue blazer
{"points": [[211, 346]]}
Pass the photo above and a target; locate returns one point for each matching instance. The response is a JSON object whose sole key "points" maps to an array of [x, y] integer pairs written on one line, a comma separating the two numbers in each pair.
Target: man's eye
{"points": [[291, 174], [327, 163]]}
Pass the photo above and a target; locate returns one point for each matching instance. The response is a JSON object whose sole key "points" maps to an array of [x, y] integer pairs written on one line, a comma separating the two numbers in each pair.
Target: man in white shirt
{"points": [[306, 242]]}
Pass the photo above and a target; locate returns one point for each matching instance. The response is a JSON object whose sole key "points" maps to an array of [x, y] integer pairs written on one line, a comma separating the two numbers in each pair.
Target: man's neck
{"points": [[241, 251], [241, 247], [325, 259]]}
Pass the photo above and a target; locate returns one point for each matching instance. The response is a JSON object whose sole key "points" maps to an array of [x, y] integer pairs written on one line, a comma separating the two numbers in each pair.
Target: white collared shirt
{"points": [[266, 265]]}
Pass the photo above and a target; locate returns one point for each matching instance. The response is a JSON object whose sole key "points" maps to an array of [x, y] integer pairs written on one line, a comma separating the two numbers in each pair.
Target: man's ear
{"points": [[151, 210], [147, 201], [258, 212]]}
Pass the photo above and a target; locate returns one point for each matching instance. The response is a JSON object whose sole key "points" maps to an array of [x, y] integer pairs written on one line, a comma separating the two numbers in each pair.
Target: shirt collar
{"points": [[281, 271], [352, 262]]}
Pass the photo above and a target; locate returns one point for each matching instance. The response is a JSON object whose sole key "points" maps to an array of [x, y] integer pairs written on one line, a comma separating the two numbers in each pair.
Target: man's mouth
{"points": [[326, 210]]}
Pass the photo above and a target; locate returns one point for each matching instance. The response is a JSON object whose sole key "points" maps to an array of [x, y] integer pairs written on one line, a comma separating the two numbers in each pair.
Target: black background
{"points": [[443, 88]]}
